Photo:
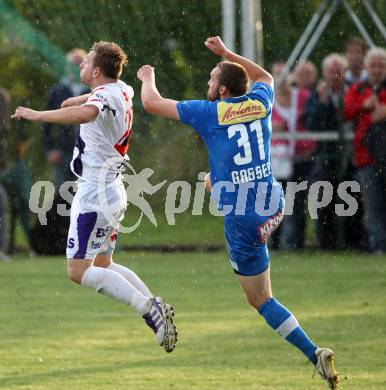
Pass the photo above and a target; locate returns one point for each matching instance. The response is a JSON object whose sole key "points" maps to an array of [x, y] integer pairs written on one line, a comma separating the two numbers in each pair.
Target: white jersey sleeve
{"points": [[101, 99]]}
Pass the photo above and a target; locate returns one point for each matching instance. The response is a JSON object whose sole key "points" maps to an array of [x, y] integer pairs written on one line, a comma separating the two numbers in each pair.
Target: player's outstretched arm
{"points": [[75, 101], [255, 72], [63, 116], [152, 100]]}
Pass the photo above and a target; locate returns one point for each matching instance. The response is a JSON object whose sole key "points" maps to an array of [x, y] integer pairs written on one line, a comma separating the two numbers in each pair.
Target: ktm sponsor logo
{"points": [[248, 110], [266, 229]]}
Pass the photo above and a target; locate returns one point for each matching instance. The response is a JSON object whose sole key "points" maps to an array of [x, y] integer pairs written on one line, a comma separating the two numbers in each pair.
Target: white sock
{"points": [[115, 286], [131, 277]]}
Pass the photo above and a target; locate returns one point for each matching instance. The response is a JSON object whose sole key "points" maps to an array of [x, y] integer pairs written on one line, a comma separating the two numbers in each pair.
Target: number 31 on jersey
{"points": [[243, 141]]}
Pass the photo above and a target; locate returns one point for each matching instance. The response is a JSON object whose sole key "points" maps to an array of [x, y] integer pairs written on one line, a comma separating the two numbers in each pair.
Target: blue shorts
{"points": [[246, 238]]}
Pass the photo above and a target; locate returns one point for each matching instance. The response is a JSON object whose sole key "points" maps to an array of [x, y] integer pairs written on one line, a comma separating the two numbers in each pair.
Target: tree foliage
{"points": [[169, 34]]}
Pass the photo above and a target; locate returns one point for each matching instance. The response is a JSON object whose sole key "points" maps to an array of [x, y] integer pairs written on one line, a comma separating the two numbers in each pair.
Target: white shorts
{"points": [[95, 220]]}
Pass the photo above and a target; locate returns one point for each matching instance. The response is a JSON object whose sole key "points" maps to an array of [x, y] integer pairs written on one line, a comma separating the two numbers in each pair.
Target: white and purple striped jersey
{"points": [[107, 137]]}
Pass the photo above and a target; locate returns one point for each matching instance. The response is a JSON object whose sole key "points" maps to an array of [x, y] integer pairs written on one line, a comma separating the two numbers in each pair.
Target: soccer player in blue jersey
{"points": [[236, 129]]}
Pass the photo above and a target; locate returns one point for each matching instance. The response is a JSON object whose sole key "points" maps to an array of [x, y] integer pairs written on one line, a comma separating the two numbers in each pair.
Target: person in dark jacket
{"points": [[355, 52], [324, 112], [58, 141]]}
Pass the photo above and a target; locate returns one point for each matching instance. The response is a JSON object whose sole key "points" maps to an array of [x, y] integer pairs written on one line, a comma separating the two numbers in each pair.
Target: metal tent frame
{"points": [[251, 31], [318, 24]]}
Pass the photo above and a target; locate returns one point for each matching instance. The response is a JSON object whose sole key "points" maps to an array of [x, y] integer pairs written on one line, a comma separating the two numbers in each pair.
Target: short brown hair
{"points": [[234, 77], [356, 41], [110, 58]]}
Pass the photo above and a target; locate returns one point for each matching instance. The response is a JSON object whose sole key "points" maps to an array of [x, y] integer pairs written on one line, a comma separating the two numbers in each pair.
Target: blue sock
{"points": [[286, 325]]}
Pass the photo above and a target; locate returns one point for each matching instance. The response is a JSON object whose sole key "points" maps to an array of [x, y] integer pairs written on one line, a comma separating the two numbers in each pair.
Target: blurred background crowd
{"points": [[349, 97], [341, 91]]}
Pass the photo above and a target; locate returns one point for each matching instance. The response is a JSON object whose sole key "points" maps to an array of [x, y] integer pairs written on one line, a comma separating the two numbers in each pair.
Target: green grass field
{"points": [[55, 335]]}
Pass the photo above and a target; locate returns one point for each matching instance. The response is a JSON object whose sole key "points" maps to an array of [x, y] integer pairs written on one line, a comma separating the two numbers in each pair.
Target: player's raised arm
{"points": [[255, 72], [75, 100], [63, 116], [152, 100]]}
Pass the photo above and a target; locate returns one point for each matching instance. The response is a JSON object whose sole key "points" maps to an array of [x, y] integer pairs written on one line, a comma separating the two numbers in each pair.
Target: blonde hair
{"points": [[334, 57], [378, 52]]}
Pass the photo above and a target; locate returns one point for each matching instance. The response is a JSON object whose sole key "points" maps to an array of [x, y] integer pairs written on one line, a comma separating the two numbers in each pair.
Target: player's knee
{"points": [[252, 301], [257, 299], [75, 273], [104, 259], [74, 276]]}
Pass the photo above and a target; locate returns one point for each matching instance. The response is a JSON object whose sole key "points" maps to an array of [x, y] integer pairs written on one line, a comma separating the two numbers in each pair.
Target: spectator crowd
{"points": [[349, 97]]}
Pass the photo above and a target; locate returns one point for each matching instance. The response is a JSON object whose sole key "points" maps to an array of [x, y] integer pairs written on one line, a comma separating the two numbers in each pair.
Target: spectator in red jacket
{"points": [[365, 103]]}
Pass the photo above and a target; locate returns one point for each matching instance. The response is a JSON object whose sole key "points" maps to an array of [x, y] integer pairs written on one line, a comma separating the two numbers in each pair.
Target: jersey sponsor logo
{"points": [[101, 97], [95, 245], [97, 97], [266, 229], [245, 111], [101, 232]]}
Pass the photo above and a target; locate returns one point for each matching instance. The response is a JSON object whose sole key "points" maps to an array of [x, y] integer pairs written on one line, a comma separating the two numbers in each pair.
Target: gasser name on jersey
{"points": [[251, 174]]}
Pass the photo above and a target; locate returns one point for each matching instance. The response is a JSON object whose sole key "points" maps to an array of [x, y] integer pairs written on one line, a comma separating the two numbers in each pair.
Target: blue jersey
{"points": [[237, 133]]}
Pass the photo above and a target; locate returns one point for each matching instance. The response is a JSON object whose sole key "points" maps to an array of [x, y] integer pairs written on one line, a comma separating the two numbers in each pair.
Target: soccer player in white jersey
{"points": [[106, 117]]}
